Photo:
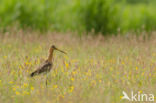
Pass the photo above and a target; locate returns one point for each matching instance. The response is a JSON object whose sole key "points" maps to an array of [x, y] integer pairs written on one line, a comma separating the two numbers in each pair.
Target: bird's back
{"points": [[45, 67]]}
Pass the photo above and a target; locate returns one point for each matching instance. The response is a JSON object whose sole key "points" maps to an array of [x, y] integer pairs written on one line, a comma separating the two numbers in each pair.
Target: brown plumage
{"points": [[47, 65]]}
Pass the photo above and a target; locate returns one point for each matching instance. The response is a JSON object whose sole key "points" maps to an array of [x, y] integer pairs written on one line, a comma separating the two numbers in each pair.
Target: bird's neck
{"points": [[50, 57]]}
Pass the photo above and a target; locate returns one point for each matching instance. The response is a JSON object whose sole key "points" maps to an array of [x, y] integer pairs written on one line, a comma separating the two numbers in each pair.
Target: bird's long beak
{"points": [[60, 50]]}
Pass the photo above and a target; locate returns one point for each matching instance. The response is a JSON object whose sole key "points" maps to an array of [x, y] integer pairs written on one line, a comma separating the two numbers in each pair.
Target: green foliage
{"points": [[100, 15], [104, 16], [138, 17], [137, 1], [27, 14]]}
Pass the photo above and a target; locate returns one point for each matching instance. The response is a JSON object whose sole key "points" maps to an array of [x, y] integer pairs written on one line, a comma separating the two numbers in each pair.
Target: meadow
{"points": [[96, 69]]}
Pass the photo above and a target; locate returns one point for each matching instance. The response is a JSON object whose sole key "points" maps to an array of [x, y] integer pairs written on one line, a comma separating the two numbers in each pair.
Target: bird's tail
{"points": [[33, 74]]}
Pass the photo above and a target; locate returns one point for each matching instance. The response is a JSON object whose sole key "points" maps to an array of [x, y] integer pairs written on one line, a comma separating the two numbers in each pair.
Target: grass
{"points": [[96, 69]]}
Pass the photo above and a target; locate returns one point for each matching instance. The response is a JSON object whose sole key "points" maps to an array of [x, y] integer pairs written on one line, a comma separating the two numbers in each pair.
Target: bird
{"points": [[47, 65]]}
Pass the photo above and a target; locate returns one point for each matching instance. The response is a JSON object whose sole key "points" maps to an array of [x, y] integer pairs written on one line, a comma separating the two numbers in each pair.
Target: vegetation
{"points": [[101, 16], [96, 69], [105, 16]]}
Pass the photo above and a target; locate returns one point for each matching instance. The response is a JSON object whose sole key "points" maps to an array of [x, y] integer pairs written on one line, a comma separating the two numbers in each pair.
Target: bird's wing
{"points": [[45, 67]]}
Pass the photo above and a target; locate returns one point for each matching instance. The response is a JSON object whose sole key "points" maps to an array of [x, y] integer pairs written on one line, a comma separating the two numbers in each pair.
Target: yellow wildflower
{"points": [[71, 89], [100, 81], [14, 89], [123, 62], [4, 57], [121, 97], [25, 85], [73, 73], [55, 86], [11, 82], [67, 65], [72, 79], [28, 63], [17, 93], [25, 93], [32, 88], [20, 67], [140, 91]]}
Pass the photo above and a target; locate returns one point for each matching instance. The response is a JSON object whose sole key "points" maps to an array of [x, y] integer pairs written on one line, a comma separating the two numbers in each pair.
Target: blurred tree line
{"points": [[105, 16]]}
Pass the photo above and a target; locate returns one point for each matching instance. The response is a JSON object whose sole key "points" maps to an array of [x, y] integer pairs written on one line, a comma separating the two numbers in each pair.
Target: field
{"points": [[95, 70]]}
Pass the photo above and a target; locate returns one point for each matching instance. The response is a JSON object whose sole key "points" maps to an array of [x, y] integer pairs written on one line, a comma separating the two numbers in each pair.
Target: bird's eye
{"points": [[52, 46]]}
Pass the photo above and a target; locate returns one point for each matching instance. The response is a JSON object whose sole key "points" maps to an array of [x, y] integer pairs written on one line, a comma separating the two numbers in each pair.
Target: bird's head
{"points": [[54, 48]]}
